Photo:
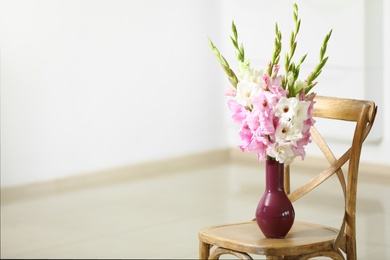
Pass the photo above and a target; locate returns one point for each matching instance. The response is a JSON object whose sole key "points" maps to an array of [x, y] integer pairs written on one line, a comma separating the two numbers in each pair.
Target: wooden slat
{"points": [[339, 108]]}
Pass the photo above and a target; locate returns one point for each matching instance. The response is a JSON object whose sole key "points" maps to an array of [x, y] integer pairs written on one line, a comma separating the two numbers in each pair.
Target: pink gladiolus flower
{"points": [[276, 69], [267, 126], [246, 136], [230, 92], [262, 156], [299, 149], [310, 109], [253, 120], [259, 146], [277, 88], [239, 111], [310, 121], [266, 82], [274, 112], [265, 101], [256, 146]]}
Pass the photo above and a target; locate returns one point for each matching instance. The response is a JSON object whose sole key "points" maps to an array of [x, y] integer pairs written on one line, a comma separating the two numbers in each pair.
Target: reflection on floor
{"points": [[159, 216]]}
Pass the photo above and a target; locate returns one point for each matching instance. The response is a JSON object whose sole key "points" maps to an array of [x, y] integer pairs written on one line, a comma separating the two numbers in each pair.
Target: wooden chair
{"points": [[305, 240]]}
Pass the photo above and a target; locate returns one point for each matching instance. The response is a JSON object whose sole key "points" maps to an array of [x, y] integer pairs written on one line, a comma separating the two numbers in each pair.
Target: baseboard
{"points": [[370, 172], [125, 173]]}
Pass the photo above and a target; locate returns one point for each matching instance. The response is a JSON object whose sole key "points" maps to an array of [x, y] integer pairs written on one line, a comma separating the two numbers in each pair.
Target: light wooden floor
{"points": [[159, 216]]}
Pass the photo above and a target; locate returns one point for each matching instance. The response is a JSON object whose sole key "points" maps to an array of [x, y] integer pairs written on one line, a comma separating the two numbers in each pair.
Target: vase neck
{"points": [[274, 174]]}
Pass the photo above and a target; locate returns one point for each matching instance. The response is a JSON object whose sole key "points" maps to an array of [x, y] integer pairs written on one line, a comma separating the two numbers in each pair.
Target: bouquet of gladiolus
{"points": [[274, 111]]}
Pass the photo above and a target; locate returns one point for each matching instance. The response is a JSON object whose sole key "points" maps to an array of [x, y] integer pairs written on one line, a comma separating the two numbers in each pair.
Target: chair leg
{"points": [[204, 250]]}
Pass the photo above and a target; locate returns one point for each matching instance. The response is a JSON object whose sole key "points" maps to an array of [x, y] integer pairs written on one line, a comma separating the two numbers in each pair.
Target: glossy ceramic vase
{"points": [[275, 213]]}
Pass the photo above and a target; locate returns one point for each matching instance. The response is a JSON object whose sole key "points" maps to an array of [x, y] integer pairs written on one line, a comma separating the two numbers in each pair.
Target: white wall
{"points": [[89, 85], [359, 55]]}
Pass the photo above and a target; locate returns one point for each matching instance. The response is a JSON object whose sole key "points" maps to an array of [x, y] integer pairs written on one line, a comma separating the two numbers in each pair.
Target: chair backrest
{"points": [[363, 114]]}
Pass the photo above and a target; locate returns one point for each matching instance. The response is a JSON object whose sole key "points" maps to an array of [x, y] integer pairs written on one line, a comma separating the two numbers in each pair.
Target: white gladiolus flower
{"points": [[282, 152], [287, 131], [249, 84], [301, 111], [243, 69], [246, 74], [245, 92], [292, 110], [286, 109]]}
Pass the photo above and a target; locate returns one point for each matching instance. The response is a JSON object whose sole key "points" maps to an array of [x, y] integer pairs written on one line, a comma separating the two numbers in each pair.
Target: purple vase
{"points": [[275, 213]]}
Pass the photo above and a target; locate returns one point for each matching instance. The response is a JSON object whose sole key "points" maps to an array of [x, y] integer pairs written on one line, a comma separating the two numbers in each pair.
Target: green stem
{"points": [[225, 65], [318, 69]]}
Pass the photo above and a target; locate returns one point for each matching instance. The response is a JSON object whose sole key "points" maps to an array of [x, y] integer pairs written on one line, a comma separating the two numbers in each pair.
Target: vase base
{"points": [[274, 231]]}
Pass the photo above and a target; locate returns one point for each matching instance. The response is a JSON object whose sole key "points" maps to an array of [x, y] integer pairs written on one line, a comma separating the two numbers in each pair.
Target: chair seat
{"points": [[303, 238]]}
